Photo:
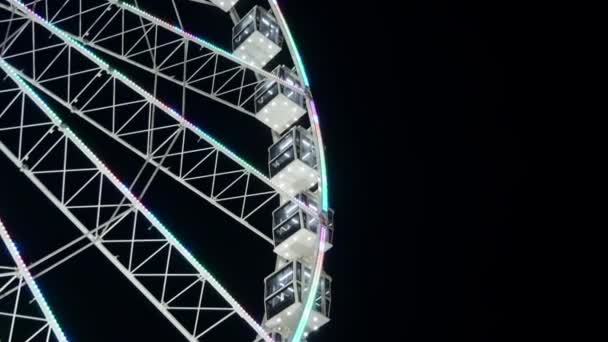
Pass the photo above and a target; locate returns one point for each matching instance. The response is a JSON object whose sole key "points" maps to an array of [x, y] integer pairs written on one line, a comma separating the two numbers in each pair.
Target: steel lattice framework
{"points": [[56, 50], [25, 322]]}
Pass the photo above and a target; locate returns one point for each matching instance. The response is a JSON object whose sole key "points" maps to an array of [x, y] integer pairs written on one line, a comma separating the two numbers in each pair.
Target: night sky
{"points": [[425, 165]]}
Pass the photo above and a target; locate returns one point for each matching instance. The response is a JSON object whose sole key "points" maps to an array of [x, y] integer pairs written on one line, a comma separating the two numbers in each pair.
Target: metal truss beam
{"points": [[210, 169], [132, 35], [45, 324], [138, 245]]}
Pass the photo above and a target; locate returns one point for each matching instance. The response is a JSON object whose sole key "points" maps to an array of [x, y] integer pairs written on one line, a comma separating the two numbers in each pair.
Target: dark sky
{"points": [[425, 165]]}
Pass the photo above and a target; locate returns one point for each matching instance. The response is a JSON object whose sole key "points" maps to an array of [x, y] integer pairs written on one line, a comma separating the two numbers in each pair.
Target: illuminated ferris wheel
{"points": [[110, 64]]}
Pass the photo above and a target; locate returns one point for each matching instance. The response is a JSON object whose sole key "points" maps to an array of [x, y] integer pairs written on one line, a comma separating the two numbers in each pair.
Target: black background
{"points": [[424, 146]]}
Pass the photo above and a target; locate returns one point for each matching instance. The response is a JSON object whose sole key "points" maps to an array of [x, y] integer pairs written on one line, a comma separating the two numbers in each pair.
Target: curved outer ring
{"points": [[315, 124]]}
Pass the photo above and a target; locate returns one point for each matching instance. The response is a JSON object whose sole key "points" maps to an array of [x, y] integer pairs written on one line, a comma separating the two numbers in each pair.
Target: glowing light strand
{"points": [[315, 122], [29, 280], [126, 192], [292, 42]]}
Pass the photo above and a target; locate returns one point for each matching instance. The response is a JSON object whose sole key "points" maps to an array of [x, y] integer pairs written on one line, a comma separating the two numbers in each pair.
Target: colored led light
{"points": [[48, 313], [318, 267], [292, 41]]}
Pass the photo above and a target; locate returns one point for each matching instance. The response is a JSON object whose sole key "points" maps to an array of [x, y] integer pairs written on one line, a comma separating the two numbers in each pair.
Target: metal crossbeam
{"points": [[137, 244], [134, 36], [188, 164]]}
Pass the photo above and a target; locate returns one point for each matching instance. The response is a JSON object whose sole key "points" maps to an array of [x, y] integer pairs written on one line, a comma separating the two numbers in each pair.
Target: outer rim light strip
{"points": [[314, 288], [163, 106], [125, 191], [292, 42], [46, 310], [318, 267], [325, 192]]}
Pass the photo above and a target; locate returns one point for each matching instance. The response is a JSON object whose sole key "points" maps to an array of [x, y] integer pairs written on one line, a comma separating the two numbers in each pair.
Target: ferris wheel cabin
{"points": [[257, 38], [285, 291], [293, 161], [295, 231], [279, 106]]}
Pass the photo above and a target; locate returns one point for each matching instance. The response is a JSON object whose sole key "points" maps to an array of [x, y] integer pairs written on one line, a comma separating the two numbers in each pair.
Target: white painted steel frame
{"points": [[177, 253], [21, 273]]}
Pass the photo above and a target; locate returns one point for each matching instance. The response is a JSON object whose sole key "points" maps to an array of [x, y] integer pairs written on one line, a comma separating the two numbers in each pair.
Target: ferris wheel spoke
{"points": [[109, 225], [192, 136], [142, 230], [157, 39], [24, 320]]}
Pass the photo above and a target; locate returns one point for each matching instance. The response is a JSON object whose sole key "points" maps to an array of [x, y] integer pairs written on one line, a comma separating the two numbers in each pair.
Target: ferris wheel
{"points": [[131, 71]]}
